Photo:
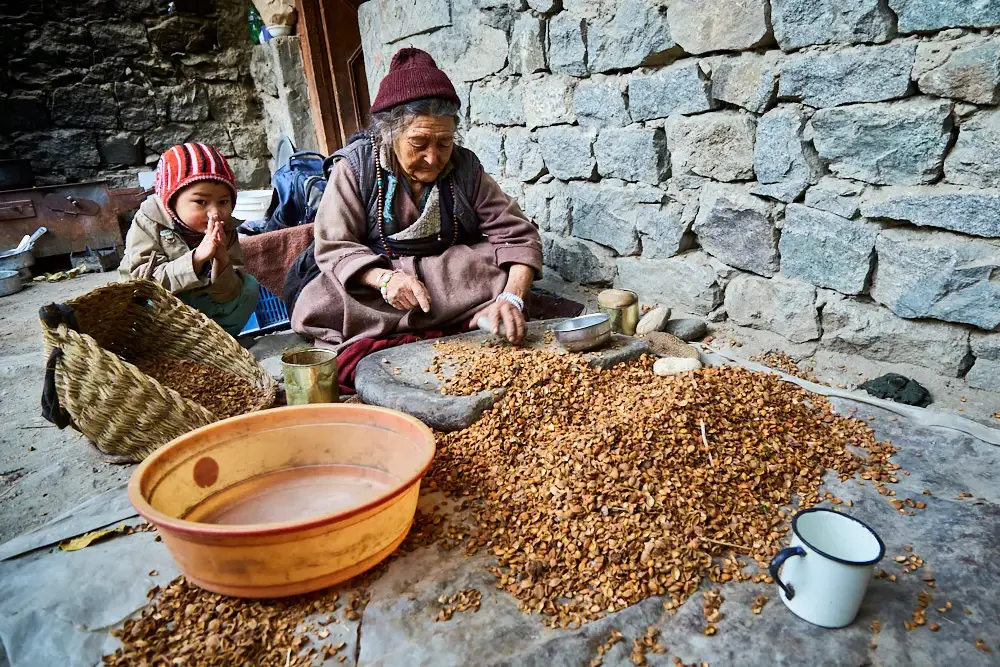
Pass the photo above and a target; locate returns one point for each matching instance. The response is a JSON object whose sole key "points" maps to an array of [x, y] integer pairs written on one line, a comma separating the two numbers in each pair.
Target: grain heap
{"points": [[220, 392], [596, 489]]}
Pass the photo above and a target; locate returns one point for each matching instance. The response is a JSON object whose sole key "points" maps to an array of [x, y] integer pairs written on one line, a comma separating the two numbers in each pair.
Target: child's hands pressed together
{"points": [[208, 247], [217, 229]]}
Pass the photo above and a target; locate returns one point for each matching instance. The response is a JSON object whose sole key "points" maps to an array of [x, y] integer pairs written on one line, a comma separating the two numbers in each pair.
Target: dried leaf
{"points": [[87, 539]]}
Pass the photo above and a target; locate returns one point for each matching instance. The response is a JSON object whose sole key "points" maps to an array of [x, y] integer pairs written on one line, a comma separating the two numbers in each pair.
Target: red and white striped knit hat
{"points": [[186, 164]]}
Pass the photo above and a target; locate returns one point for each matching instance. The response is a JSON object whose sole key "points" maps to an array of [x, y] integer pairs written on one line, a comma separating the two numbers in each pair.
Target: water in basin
{"points": [[294, 494]]}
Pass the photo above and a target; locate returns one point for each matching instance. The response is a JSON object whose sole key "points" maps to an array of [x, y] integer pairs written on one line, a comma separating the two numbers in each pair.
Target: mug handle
{"points": [[776, 563]]}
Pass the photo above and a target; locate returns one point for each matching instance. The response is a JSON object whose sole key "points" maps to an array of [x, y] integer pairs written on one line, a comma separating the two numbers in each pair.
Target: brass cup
{"points": [[624, 319], [310, 376]]}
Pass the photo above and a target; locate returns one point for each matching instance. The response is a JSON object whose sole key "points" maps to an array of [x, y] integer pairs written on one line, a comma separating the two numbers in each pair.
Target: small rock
{"points": [[674, 365], [652, 321], [687, 329], [898, 388], [667, 345]]}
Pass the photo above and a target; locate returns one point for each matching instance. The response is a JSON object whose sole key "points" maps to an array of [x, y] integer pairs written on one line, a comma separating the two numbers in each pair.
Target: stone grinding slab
{"points": [[398, 378]]}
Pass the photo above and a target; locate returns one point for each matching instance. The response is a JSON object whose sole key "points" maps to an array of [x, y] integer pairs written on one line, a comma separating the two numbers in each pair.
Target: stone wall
{"points": [[823, 169], [99, 88]]}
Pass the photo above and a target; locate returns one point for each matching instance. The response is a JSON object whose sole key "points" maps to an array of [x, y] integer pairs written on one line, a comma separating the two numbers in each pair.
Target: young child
{"points": [[187, 226]]}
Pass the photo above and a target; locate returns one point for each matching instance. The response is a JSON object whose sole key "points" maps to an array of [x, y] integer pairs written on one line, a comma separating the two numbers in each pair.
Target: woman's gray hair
{"points": [[389, 124]]}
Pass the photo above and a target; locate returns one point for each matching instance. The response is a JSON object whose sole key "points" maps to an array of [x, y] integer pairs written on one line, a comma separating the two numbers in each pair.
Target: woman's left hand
{"points": [[506, 312]]}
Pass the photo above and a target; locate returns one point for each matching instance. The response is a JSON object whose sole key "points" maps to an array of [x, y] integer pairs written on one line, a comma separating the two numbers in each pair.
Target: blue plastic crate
{"points": [[270, 315]]}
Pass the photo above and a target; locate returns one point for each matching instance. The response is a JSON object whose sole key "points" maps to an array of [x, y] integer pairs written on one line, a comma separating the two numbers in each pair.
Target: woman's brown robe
{"points": [[335, 309]]}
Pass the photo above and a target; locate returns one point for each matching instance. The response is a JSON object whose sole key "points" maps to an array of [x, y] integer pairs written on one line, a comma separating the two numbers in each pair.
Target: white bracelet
{"points": [[512, 299], [383, 284]]}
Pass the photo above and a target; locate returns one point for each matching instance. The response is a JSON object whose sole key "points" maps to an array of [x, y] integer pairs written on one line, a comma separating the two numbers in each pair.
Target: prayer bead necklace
{"points": [[380, 202]]}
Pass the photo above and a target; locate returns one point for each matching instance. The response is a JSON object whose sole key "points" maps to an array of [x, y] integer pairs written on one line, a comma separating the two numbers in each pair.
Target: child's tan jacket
{"points": [[153, 233]]}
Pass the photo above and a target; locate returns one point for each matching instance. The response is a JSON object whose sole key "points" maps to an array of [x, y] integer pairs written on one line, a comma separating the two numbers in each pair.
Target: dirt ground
{"points": [[43, 471]]}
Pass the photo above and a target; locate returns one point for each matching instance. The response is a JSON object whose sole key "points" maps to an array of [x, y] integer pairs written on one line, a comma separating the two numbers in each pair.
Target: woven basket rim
{"points": [[84, 339], [223, 345], [264, 382]]}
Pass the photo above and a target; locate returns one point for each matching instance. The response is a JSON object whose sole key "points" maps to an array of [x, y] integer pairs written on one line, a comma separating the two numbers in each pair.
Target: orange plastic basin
{"points": [[285, 501]]}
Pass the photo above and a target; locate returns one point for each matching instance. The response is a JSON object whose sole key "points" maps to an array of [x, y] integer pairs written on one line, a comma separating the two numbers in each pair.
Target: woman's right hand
{"points": [[404, 292]]}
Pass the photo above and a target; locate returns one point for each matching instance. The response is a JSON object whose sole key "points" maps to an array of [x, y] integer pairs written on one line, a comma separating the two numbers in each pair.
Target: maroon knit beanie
{"points": [[413, 75]]}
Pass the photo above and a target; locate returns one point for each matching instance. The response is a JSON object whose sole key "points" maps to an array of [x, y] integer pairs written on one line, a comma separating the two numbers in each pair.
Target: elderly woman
{"points": [[412, 234]]}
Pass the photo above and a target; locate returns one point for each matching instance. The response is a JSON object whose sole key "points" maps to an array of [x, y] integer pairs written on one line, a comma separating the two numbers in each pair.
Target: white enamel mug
{"points": [[825, 572]]}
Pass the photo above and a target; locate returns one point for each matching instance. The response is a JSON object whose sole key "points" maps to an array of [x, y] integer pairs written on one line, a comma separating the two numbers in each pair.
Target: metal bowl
{"points": [[10, 283], [580, 334], [16, 261]]}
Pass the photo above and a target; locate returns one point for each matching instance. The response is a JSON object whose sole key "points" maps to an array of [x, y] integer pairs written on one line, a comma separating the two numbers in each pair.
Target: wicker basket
{"points": [[118, 407]]}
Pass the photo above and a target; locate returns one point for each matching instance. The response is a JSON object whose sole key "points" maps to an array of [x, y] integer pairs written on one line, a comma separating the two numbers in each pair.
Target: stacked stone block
{"points": [[98, 88], [827, 170]]}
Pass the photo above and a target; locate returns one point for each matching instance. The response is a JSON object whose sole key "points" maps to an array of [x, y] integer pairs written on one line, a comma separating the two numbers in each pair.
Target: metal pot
{"points": [[624, 317], [10, 283], [310, 376], [19, 263]]}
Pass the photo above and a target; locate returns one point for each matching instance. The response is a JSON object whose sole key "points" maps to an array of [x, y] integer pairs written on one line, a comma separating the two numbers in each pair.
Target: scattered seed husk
{"points": [[594, 490], [710, 604], [613, 639], [189, 624], [464, 600], [784, 363]]}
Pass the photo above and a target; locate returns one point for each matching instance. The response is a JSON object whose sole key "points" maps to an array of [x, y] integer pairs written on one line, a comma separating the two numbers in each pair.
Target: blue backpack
{"points": [[298, 189]]}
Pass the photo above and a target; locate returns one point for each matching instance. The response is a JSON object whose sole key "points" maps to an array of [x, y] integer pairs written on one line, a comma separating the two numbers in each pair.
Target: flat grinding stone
{"points": [[397, 378]]}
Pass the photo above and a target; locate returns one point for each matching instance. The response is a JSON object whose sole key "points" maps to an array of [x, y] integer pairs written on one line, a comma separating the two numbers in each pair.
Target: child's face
{"points": [[195, 202]]}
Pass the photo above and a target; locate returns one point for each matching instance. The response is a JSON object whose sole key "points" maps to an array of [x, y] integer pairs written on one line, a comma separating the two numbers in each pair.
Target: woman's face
{"points": [[424, 147]]}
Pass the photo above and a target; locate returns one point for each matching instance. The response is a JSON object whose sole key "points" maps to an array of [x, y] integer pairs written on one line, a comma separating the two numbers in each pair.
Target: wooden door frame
{"points": [[325, 103]]}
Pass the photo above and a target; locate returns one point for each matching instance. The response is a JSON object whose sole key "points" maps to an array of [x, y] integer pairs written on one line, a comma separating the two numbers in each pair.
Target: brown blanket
{"points": [[269, 256]]}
